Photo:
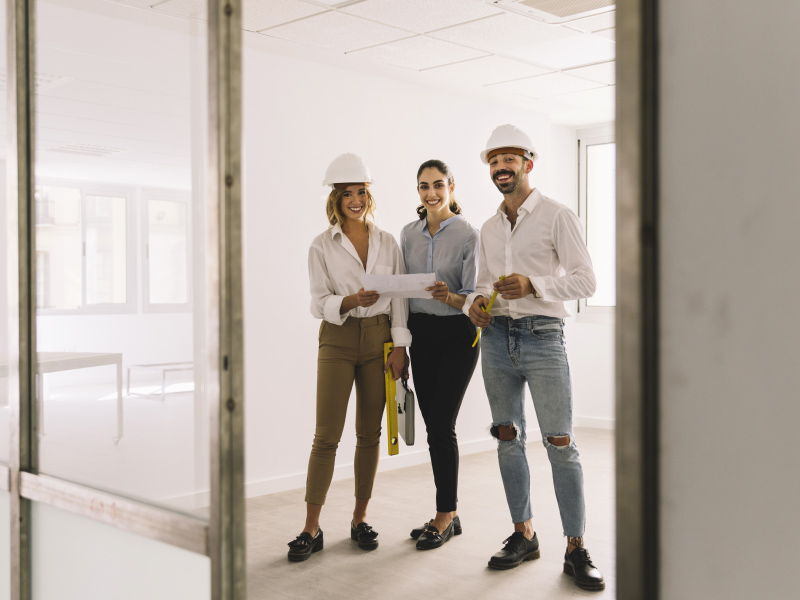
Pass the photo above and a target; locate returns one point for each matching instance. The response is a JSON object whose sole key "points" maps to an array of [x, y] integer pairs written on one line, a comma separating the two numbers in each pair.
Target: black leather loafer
{"points": [[303, 546], [578, 563], [517, 549], [431, 538], [364, 535], [417, 531]]}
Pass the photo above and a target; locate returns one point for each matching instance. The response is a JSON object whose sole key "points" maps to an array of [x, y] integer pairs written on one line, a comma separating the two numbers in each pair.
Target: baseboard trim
{"points": [[595, 422], [408, 457]]}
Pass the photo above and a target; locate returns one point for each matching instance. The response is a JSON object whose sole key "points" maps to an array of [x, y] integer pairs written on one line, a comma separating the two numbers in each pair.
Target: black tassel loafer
{"points": [[431, 538], [578, 563], [517, 548], [417, 531], [303, 546], [364, 535]]}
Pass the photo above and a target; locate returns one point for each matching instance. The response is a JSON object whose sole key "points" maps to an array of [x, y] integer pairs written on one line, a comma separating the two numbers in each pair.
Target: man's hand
{"points": [[397, 362], [440, 291], [476, 314], [514, 287]]}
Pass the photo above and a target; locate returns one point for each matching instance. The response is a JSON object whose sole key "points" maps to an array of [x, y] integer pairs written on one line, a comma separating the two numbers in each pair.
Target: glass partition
{"points": [[120, 231]]}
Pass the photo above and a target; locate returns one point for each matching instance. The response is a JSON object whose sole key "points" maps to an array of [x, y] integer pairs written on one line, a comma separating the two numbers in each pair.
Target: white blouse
{"points": [[335, 271]]}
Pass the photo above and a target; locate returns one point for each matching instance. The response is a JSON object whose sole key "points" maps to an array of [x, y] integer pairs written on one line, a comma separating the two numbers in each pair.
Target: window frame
{"points": [[590, 137], [100, 189], [184, 197]]}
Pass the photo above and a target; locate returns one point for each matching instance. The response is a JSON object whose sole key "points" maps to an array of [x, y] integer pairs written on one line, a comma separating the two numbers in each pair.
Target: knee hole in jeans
{"points": [[559, 441], [504, 433]]}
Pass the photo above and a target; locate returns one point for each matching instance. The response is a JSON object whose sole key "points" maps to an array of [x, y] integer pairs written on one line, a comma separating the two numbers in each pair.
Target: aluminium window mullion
{"points": [[21, 283]]}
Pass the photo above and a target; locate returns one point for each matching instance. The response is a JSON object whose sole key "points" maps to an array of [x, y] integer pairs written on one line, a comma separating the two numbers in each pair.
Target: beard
{"points": [[509, 186]]}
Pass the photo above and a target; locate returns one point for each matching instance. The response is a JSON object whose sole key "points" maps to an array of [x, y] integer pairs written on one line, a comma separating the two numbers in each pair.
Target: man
{"points": [[533, 255]]}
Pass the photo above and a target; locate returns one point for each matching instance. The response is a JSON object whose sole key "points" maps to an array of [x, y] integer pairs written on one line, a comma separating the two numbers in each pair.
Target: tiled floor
{"points": [[402, 499]]}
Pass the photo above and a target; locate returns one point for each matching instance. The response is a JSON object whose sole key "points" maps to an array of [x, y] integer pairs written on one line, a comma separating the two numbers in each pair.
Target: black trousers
{"points": [[442, 363]]}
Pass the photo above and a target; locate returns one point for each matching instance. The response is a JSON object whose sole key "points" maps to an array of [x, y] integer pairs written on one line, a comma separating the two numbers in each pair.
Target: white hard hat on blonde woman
{"points": [[347, 168], [507, 137]]}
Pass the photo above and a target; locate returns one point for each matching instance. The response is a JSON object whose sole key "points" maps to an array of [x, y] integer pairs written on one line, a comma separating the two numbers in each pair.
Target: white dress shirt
{"points": [[547, 246], [335, 271]]}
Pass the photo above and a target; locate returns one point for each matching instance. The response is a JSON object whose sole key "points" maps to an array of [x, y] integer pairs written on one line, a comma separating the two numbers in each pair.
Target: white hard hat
{"points": [[509, 136], [347, 168]]}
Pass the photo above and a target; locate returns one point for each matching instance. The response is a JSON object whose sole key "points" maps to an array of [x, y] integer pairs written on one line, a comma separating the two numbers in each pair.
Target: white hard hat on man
{"points": [[347, 168], [508, 139]]}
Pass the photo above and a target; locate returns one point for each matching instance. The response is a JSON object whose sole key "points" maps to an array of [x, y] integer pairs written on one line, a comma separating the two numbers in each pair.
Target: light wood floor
{"points": [[404, 498]]}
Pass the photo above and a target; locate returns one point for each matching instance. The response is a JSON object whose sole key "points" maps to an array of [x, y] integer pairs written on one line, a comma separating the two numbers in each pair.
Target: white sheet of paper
{"points": [[400, 286]]}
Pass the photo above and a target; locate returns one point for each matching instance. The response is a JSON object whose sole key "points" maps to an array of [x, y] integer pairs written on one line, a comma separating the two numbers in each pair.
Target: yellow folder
{"points": [[391, 403]]}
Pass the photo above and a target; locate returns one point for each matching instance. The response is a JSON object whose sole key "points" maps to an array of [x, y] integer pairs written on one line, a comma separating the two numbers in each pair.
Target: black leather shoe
{"points": [[517, 549], [364, 535], [303, 546], [578, 564], [417, 531], [431, 538]]}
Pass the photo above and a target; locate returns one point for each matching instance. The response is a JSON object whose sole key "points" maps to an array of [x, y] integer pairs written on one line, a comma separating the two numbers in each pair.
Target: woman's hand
{"points": [[398, 362], [365, 299], [360, 298], [440, 291]]}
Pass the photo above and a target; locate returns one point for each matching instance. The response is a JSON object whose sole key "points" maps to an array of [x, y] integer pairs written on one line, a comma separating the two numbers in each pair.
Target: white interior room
{"points": [[120, 167], [121, 88]]}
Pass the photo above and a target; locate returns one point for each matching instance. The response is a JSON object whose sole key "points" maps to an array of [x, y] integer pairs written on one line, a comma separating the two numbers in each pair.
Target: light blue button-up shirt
{"points": [[452, 253]]}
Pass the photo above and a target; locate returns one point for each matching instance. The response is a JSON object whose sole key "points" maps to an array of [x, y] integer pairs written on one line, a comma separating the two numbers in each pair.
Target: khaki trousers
{"points": [[349, 352]]}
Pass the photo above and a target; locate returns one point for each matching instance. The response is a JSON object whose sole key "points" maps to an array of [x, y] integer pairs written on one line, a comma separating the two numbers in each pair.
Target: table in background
{"points": [[53, 362]]}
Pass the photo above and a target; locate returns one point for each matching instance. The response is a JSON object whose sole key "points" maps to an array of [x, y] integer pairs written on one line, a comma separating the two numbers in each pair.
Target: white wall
{"points": [[5, 546], [74, 557], [730, 282], [298, 116]]}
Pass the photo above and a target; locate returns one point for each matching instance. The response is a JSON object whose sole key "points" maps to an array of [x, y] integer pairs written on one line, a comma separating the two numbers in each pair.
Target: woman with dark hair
{"points": [[355, 325], [443, 358]]}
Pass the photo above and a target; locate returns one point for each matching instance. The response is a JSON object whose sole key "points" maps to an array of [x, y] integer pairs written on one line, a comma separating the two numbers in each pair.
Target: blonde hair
{"points": [[333, 207]]}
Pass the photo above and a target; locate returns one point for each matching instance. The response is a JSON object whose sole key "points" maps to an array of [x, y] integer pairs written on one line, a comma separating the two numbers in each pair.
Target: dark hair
{"points": [[444, 170]]}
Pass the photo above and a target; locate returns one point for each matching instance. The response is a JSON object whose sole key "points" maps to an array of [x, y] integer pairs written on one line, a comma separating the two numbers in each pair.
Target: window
{"points": [[598, 199], [166, 273], [84, 238]]}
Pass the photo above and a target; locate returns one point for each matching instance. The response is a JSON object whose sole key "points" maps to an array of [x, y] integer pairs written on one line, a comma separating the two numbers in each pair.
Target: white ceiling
{"points": [[475, 42], [101, 90]]}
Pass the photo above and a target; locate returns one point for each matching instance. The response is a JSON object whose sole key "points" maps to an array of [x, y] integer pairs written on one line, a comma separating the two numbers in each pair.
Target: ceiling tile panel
{"points": [[550, 84], [488, 70], [595, 23], [609, 34], [336, 31], [418, 53], [504, 34], [421, 15], [603, 73], [139, 3], [260, 14], [583, 49], [194, 9]]}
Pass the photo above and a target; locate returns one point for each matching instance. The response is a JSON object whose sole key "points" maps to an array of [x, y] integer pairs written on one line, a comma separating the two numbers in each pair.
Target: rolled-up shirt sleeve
{"points": [[401, 336], [578, 280], [469, 264], [483, 286], [325, 303]]}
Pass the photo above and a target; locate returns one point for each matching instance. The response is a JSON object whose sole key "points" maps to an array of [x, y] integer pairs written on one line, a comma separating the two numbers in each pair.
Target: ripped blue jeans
{"points": [[531, 350]]}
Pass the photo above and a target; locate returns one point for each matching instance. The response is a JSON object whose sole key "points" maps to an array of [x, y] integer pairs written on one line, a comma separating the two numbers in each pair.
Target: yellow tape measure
{"points": [[486, 309]]}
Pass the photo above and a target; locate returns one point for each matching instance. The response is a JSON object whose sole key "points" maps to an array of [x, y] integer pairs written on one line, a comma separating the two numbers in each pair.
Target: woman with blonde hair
{"points": [[355, 325]]}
